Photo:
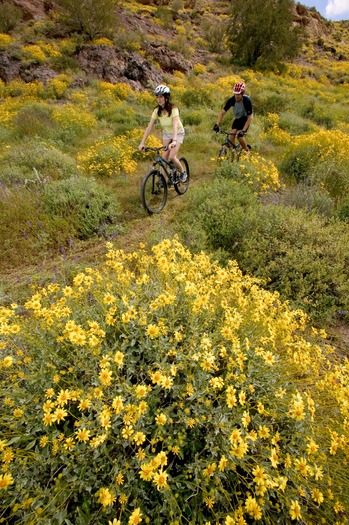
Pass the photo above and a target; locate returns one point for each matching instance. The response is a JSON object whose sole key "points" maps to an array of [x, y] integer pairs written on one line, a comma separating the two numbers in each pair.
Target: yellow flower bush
{"points": [[9, 109], [162, 388], [199, 69], [273, 132], [34, 53], [102, 42], [329, 144], [74, 122], [57, 86], [321, 158], [120, 90], [5, 40], [114, 155], [261, 174]]}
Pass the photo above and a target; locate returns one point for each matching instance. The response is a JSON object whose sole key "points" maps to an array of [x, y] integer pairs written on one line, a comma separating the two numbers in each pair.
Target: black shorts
{"points": [[239, 123]]}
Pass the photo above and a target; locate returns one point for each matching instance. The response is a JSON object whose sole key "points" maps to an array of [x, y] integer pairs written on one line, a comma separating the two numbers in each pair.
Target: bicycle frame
{"points": [[166, 165], [227, 141], [235, 149]]}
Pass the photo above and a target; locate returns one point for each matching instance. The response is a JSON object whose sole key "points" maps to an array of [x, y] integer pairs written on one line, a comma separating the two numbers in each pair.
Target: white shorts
{"points": [[169, 136]]}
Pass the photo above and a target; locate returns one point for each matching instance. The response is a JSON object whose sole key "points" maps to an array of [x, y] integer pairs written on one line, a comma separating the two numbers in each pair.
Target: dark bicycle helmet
{"points": [[239, 88], [162, 90]]}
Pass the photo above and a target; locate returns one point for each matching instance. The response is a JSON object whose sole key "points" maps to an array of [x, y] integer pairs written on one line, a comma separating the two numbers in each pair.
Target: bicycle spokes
{"points": [[154, 192]]}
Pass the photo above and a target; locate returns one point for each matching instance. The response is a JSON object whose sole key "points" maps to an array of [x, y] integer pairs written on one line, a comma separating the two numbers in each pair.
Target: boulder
{"points": [[114, 65], [11, 68]]}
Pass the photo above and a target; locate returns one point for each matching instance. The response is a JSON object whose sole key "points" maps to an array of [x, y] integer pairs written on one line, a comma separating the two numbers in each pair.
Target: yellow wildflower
{"points": [[6, 480], [83, 434], [295, 510], [317, 496], [106, 377], [160, 480], [253, 509], [105, 497], [135, 518], [161, 419]]}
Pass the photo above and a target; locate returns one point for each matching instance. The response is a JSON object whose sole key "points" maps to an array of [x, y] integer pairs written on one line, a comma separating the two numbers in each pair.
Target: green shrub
{"points": [[295, 253], [321, 160], [333, 174], [64, 63], [34, 120], [193, 118], [343, 209], [308, 198], [264, 103], [196, 95], [300, 256], [294, 124], [119, 114], [26, 234], [94, 19], [86, 205], [161, 388], [73, 123], [165, 15], [215, 34], [319, 114], [300, 163], [10, 15], [35, 163], [218, 216], [260, 174], [180, 44], [229, 170]]}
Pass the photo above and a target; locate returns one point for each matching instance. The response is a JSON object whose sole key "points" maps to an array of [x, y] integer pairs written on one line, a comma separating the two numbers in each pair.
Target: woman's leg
{"points": [[173, 157]]}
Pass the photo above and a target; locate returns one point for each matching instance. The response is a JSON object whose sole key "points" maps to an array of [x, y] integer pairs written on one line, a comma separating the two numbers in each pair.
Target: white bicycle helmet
{"points": [[162, 90]]}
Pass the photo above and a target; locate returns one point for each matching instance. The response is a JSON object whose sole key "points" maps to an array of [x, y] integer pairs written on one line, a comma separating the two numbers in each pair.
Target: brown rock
{"points": [[33, 9], [113, 65], [11, 69]]}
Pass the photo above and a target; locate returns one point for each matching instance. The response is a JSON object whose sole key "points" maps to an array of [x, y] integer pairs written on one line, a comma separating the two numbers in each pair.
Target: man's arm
{"points": [[247, 123]]}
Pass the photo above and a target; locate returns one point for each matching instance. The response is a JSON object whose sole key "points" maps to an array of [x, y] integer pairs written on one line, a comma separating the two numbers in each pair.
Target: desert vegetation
{"points": [[184, 368]]}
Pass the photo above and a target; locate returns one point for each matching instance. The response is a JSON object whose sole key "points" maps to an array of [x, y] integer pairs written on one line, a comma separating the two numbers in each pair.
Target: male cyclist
{"points": [[243, 113]]}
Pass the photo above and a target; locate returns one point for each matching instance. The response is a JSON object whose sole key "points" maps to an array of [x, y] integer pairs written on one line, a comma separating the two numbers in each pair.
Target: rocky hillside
{"points": [[145, 65]]}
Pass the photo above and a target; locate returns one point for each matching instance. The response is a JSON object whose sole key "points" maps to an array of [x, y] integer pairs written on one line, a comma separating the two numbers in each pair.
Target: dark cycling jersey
{"points": [[241, 109]]}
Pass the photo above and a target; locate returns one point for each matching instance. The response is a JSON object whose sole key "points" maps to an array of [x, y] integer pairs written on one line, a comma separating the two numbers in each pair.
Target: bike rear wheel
{"points": [[154, 192], [181, 187]]}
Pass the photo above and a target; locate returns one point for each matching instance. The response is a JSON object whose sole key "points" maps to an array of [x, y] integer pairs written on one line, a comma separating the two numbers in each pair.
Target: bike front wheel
{"points": [[223, 153], [181, 187], [237, 154], [154, 192]]}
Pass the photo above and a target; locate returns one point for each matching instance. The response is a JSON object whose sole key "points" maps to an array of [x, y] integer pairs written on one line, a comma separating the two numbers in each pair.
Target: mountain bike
{"points": [[228, 149], [156, 183]]}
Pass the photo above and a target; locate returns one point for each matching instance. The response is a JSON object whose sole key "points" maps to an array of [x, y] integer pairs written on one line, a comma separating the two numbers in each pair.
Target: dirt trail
{"points": [[15, 282]]}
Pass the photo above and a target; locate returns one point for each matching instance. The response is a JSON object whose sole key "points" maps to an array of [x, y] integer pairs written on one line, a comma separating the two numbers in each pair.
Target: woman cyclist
{"points": [[243, 113], [173, 131]]}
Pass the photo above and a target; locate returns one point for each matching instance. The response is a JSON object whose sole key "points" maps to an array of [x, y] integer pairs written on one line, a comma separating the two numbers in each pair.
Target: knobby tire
{"points": [[223, 152], [181, 187], [154, 192]]}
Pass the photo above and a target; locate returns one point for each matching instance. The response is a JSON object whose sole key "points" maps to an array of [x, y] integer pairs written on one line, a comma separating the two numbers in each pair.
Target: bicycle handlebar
{"points": [[227, 132], [146, 148]]}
